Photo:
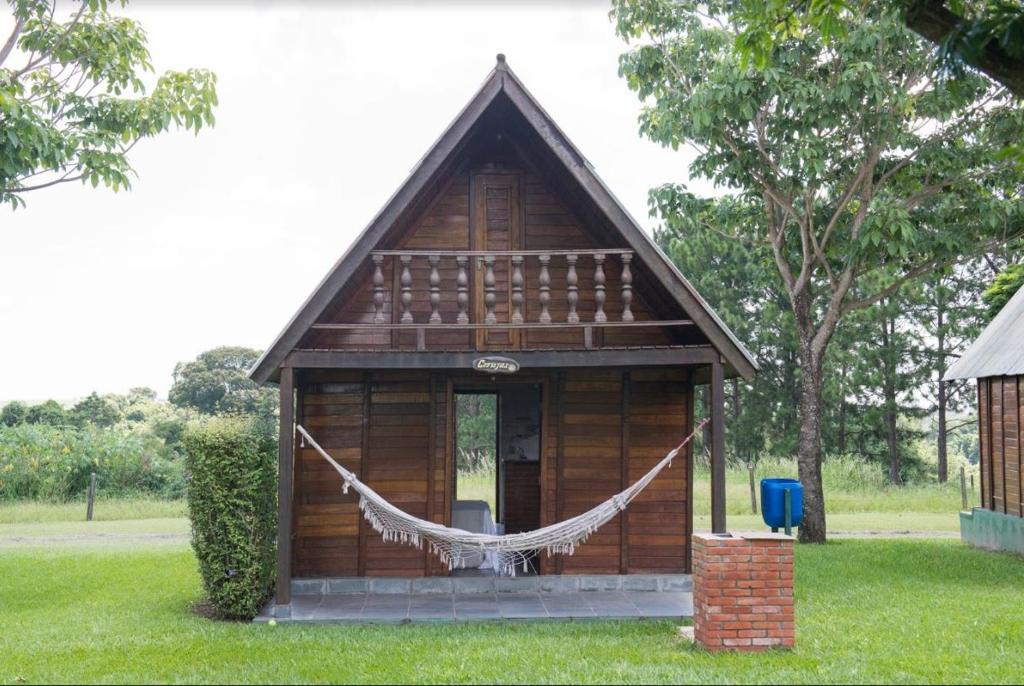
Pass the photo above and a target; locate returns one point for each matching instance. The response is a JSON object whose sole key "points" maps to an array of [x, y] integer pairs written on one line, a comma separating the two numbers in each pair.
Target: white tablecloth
{"points": [[475, 517]]}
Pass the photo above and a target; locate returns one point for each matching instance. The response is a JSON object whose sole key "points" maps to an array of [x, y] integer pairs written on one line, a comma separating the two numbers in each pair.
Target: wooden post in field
{"points": [[91, 497], [963, 489], [753, 493]]}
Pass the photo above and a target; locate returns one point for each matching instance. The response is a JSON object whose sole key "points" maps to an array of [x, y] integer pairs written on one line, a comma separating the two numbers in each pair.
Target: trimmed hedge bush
{"points": [[232, 502]]}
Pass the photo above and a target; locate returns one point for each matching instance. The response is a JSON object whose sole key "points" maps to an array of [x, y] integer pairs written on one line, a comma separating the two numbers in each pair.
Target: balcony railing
{"points": [[509, 282]]}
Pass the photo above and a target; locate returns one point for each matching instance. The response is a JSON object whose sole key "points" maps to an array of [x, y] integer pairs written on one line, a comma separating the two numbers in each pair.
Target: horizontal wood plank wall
{"points": [[439, 491], [590, 463], [659, 407], [398, 462], [326, 526], [405, 456]]}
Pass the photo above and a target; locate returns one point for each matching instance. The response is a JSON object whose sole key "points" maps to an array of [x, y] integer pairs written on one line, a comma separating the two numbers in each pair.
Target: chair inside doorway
{"points": [[497, 464]]}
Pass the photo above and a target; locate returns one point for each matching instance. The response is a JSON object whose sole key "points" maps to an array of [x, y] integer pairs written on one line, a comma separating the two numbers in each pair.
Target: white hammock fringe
{"points": [[513, 551]]}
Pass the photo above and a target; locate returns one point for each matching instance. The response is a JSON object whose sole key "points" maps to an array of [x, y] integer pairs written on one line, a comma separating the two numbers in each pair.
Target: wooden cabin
{"points": [[996, 360], [502, 252]]}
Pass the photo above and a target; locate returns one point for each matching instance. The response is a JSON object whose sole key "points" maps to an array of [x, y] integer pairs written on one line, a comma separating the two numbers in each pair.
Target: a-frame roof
{"points": [[501, 81]]}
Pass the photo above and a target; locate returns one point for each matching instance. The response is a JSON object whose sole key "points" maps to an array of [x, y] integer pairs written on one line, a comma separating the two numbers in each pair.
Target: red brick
{"points": [[743, 597]]}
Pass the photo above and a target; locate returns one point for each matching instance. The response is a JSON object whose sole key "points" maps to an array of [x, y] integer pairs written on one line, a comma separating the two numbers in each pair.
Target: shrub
{"points": [[232, 502], [53, 463]]}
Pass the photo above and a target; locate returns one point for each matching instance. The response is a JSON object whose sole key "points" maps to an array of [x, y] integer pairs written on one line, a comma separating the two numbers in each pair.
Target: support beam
{"points": [[285, 464], [528, 359], [717, 448]]}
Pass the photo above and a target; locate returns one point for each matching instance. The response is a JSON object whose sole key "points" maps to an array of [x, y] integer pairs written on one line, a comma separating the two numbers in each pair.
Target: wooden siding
{"points": [[601, 430], [1000, 409], [520, 211]]}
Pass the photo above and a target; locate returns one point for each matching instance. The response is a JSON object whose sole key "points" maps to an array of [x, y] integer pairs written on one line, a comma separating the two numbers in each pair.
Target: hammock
{"points": [[513, 551]]}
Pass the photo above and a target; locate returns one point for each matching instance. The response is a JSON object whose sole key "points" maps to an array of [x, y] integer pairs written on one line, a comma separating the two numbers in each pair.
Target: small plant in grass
{"points": [[232, 502]]}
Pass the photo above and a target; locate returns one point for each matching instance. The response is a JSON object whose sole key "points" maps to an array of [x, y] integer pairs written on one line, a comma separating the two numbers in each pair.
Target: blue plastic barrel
{"points": [[773, 501]]}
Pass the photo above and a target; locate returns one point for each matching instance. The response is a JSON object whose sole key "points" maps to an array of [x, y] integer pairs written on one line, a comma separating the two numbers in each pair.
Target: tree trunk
{"points": [[889, 392], [940, 335], [842, 410], [812, 528]]}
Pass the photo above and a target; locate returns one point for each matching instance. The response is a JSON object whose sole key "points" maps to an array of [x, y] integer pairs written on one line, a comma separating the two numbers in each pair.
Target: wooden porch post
{"points": [[717, 449], [285, 462]]}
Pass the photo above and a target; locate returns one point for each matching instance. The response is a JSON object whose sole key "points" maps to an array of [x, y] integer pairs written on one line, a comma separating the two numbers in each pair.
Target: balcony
{"points": [[497, 297]]}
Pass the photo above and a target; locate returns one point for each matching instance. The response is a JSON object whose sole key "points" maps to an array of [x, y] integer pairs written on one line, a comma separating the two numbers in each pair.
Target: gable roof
{"points": [[999, 350], [501, 80]]}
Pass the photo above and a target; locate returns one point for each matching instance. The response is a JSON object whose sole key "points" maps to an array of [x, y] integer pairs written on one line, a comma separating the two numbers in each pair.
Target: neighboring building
{"points": [[996, 360], [502, 243]]}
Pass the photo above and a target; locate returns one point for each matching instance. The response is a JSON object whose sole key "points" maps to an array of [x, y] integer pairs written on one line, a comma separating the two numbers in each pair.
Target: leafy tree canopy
{"points": [[217, 382], [850, 167], [13, 413], [94, 410], [1005, 286], [73, 102], [984, 34], [50, 412]]}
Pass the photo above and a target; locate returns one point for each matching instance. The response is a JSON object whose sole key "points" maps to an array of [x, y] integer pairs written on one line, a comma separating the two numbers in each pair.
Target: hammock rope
{"points": [[513, 551]]}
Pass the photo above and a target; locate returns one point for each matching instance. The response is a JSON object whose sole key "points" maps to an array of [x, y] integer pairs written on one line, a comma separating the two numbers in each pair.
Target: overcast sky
{"points": [[324, 109]]}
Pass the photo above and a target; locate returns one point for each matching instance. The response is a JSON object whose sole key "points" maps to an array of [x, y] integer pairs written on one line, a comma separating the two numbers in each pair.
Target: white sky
{"points": [[323, 112]]}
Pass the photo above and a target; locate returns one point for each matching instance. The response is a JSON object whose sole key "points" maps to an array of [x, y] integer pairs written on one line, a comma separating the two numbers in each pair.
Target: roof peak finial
{"points": [[501, 61]]}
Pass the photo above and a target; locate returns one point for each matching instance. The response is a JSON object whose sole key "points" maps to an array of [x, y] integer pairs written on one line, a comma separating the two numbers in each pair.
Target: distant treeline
{"points": [[131, 442]]}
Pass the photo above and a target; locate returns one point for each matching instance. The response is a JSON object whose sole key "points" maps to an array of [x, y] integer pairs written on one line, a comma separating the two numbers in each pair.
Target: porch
{"points": [[380, 600]]}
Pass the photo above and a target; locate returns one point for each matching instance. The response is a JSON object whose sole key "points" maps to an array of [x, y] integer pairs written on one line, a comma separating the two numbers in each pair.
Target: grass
{"points": [[867, 611], [123, 532], [104, 509]]}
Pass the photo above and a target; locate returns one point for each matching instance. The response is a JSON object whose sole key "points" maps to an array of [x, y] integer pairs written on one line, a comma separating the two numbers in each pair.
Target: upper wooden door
{"points": [[497, 226]]}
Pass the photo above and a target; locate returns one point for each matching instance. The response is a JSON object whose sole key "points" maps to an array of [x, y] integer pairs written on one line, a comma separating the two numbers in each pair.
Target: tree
{"points": [[217, 382], [1004, 287], [950, 318], [96, 411], [13, 413], [739, 281], [50, 413], [73, 102], [140, 395], [852, 166], [987, 35]]}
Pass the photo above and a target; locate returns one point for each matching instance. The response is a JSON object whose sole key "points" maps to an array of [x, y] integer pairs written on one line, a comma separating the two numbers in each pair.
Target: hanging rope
{"points": [[514, 551]]}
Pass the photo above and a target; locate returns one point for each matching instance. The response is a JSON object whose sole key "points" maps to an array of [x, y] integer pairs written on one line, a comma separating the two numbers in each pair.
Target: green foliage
{"points": [[50, 413], [1005, 286], [54, 463], [96, 411], [217, 382], [76, 102], [851, 173], [232, 502], [977, 27], [476, 417], [13, 413]]}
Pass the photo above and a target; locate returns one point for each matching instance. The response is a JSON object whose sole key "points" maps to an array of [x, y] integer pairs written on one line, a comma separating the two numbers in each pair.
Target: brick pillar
{"points": [[743, 591]]}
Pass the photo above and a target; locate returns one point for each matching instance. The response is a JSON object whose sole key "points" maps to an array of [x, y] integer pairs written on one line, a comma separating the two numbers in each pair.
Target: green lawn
{"points": [[105, 509], [867, 611]]}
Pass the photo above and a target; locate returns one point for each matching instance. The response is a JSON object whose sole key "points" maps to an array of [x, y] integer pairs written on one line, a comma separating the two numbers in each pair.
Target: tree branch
{"points": [[12, 40]]}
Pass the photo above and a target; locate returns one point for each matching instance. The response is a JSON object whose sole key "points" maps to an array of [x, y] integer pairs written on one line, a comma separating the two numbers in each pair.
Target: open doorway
{"points": [[476, 448], [497, 460]]}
